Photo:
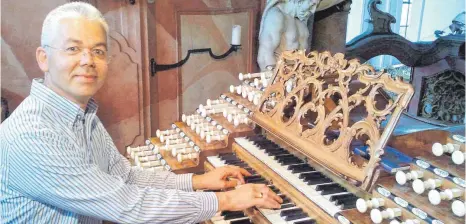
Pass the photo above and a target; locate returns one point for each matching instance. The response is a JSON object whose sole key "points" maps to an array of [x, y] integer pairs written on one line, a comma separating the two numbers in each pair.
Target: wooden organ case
{"points": [[317, 130]]}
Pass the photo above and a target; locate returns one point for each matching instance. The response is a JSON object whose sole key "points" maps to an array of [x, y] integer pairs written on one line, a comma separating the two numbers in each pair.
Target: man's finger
{"points": [[230, 183], [236, 174], [244, 172]]}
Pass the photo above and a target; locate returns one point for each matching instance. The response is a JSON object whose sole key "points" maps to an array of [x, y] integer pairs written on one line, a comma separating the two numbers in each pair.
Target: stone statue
{"points": [[457, 26], [284, 27]]}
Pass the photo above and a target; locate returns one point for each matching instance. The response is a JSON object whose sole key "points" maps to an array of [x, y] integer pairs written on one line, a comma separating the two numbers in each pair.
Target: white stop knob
{"points": [[362, 205], [419, 186], [438, 149], [402, 177], [458, 157], [378, 216], [458, 208]]}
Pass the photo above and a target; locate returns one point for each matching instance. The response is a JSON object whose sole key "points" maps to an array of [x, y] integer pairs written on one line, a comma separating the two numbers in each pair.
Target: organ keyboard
{"points": [[318, 133]]}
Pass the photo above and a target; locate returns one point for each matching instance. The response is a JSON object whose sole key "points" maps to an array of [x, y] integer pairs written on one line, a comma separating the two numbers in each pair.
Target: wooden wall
{"points": [[132, 103]]}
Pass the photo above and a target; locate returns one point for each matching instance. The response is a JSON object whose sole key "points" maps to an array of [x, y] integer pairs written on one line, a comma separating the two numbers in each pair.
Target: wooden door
{"points": [[175, 26]]}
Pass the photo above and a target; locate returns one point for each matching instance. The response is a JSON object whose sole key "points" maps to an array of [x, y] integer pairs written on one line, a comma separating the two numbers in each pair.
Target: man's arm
{"points": [[44, 166]]}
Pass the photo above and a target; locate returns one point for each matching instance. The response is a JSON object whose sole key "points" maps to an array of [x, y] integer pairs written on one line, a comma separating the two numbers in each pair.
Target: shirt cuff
{"points": [[209, 204], [184, 182]]}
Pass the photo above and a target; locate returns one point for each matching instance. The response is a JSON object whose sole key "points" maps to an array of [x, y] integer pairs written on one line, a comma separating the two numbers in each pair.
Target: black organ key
{"points": [[300, 168], [330, 188], [289, 212], [227, 215], [300, 215], [243, 221], [309, 221], [289, 205], [341, 197]]}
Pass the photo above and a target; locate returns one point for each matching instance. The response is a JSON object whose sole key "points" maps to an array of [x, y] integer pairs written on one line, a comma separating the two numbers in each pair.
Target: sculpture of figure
{"points": [[284, 27], [457, 26]]}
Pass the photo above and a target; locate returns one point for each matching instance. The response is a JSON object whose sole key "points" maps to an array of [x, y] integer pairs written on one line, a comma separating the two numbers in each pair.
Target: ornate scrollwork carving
{"points": [[443, 97], [296, 105]]}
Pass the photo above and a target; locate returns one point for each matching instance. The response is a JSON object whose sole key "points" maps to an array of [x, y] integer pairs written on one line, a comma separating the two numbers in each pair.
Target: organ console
{"points": [[318, 131]]}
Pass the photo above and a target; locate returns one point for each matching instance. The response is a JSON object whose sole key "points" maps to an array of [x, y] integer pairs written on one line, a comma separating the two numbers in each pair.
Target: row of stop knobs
{"points": [[147, 157], [176, 142], [377, 215], [451, 149], [435, 194]]}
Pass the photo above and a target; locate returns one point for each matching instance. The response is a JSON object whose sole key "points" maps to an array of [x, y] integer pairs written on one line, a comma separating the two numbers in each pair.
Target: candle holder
{"points": [[154, 67]]}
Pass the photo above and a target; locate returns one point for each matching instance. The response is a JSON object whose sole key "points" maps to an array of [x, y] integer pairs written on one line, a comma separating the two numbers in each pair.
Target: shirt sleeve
{"points": [[52, 169]]}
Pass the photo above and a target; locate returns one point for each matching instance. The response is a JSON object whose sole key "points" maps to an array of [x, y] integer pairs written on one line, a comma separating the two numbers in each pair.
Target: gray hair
{"points": [[69, 10]]}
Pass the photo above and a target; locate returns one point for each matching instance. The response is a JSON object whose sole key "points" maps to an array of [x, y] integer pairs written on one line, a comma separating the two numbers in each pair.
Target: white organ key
{"points": [[458, 207], [215, 161], [420, 186], [439, 149], [378, 216], [182, 157], [362, 205], [435, 197], [402, 177], [458, 157]]}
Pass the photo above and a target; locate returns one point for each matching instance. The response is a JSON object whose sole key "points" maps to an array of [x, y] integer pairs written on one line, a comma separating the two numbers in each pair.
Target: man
{"points": [[284, 27], [59, 165]]}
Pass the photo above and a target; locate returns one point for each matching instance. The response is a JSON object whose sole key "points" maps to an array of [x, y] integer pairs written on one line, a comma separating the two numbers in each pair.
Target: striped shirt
{"points": [[58, 164]]}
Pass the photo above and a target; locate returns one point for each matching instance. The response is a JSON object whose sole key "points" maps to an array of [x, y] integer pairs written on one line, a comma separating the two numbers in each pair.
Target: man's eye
{"points": [[72, 49], [99, 52]]}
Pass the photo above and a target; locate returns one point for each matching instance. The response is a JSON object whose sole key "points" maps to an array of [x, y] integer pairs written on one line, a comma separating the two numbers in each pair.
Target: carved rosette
{"points": [[298, 102], [443, 97]]}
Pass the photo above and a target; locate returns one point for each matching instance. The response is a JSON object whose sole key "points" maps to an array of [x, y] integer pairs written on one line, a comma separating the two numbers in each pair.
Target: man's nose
{"points": [[87, 58]]}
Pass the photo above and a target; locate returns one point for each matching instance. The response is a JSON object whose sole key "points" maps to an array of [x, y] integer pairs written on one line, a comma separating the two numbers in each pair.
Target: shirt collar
{"points": [[71, 111]]}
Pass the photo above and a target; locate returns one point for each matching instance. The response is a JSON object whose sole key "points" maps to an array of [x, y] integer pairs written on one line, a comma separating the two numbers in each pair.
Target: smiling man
{"points": [[59, 165]]}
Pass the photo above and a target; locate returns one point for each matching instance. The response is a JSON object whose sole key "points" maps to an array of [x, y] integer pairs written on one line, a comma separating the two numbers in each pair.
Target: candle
{"points": [[236, 35]]}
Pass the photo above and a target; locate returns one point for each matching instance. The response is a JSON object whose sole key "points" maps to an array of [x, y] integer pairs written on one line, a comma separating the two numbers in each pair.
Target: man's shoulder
{"points": [[30, 117]]}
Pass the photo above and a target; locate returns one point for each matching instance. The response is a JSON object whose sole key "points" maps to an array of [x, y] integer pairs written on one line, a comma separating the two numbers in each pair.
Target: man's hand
{"points": [[220, 178], [246, 196]]}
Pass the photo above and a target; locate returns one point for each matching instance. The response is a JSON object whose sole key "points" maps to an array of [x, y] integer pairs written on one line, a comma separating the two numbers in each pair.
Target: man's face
{"points": [[77, 59], [304, 8]]}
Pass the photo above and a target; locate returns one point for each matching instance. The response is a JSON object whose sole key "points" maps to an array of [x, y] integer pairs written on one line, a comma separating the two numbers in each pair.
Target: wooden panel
{"points": [[201, 77]]}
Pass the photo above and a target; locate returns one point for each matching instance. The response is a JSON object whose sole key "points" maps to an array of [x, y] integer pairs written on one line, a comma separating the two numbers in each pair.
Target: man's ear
{"points": [[42, 59]]}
